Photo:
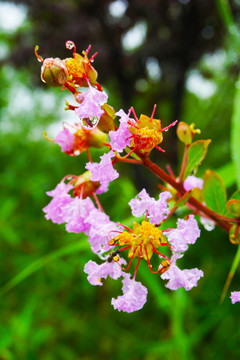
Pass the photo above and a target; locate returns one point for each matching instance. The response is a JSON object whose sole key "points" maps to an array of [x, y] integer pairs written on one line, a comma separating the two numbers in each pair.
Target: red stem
{"points": [[179, 187]]}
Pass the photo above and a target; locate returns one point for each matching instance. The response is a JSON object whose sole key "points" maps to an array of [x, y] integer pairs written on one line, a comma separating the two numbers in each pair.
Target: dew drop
{"points": [[70, 45], [89, 123]]}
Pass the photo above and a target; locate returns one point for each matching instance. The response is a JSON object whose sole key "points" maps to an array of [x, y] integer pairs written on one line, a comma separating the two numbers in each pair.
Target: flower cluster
{"points": [[75, 199]]}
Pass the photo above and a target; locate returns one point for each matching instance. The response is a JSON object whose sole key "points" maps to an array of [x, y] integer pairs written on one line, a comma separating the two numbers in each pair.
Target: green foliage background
{"points": [[49, 310]]}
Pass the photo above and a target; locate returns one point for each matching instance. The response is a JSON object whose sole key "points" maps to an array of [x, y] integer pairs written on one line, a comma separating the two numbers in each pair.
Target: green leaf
{"points": [[235, 195], [235, 132], [233, 207], [196, 154], [214, 192], [227, 173]]}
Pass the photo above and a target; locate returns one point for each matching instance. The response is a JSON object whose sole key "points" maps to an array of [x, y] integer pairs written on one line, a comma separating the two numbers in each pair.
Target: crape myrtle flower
{"points": [[186, 233], [235, 296], [81, 140], [90, 109], [133, 298], [103, 171], [147, 132], [60, 198], [108, 268], [190, 183], [100, 225], [65, 139], [187, 278], [122, 136], [157, 209]]}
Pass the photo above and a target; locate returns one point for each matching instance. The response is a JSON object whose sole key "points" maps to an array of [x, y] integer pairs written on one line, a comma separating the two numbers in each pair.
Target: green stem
{"points": [[226, 14], [231, 274], [184, 163]]}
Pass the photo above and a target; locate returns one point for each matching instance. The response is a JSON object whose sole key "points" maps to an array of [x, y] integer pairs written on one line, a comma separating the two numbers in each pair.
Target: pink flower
{"points": [[75, 214], [121, 137], [100, 227], [235, 296], [186, 233], [181, 278], [60, 198], [65, 139], [97, 272], [91, 102], [103, 171], [133, 298], [157, 209], [192, 182]]}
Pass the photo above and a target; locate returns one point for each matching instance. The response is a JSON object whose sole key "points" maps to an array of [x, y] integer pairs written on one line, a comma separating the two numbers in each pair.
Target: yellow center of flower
{"points": [[142, 240], [146, 133], [75, 66]]}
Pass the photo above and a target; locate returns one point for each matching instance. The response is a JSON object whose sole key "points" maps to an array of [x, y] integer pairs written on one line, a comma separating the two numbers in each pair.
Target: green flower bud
{"points": [[54, 72], [184, 133]]}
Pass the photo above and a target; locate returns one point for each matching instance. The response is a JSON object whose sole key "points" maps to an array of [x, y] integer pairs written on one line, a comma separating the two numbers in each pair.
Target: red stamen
{"points": [[157, 252], [146, 215], [40, 59], [68, 176], [125, 248], [148, 261], [125, 227], [88, 49], [169, 126], [126, 156], [134, 114], [93, 57], [98, 202], [129, 264], [98, 86], [160, 149], [153, 112], [89, 155], [135, 272]]}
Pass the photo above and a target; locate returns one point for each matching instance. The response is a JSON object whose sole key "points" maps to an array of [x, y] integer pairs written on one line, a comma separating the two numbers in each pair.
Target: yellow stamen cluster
{"points": [[75, 65], [142, 240], [146, 133]]}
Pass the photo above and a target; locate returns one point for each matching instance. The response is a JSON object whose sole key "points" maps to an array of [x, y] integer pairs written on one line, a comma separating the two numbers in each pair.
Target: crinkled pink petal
{"points": [[97, 272], [103, 171], [91, 102], [122, 136], [101, 230], [192, 182], [65, 139], [133, 298], [187, 278], [75, 214], [60, 198], [157, 209], [186, 233], [235, 296]]}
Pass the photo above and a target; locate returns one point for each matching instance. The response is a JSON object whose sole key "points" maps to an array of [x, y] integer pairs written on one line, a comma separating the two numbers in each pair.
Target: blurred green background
{"points": [[182, 55]]}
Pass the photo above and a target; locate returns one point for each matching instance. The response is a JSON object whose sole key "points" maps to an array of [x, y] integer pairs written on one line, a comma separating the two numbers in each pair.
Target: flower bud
{"points": [[54, 72], [106, 122], [84, 187], [184, 133]]}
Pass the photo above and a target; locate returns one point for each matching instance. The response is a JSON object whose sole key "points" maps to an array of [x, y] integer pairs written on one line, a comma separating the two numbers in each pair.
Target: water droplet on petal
{"points": [[89, 123]]}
